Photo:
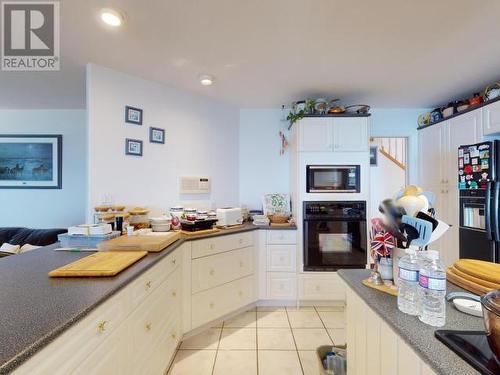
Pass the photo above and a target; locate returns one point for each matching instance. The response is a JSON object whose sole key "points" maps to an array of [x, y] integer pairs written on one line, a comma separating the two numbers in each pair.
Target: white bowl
{"points": [[160, 227]]}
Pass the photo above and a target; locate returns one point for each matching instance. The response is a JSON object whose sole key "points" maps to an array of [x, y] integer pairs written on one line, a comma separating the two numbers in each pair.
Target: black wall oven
{"points": [[334, 235], [333, 178]]}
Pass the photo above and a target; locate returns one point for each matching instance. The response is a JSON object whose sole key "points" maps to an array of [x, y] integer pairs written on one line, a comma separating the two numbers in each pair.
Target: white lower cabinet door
{"points": [[281, 285], [351, 332], [281, 258], [388, 351], [373, 347], [112, 357], [408, 360]]}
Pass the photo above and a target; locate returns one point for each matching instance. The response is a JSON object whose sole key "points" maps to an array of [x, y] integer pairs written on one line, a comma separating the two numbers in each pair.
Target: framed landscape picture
{"points": [[31, 161], [156, 135], [133, 115], [133, 147]]}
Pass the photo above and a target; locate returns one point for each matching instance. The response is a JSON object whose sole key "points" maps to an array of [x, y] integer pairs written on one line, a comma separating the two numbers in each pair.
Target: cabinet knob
{"points": [[211, 272], [211, 246], [174, 294], [241, 241], [241, 264], [173, 335], [282, 259], [148, 326], [101, 326], [211, 304], [148, 285], [240, 293], [174, 261], [318, 288]]}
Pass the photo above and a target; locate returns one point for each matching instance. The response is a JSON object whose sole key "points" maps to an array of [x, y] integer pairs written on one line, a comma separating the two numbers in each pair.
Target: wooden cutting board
{"points": [[454, 278], [188, 233], [486, 271], [99, 264], [152, 243]]}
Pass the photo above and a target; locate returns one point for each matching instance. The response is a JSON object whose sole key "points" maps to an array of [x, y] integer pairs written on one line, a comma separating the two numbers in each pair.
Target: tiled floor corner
{"points": [[265, 340]]}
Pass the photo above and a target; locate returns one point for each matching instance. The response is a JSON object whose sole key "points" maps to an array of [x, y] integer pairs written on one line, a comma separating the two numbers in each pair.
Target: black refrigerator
{"points": [[479, 200]]}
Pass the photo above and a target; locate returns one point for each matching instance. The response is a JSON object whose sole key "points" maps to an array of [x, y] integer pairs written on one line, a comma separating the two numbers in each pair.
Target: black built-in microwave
{"points": [[333, 178]]}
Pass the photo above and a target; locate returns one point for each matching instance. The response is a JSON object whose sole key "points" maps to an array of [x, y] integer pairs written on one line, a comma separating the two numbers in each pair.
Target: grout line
{"points": [[218, 345], [295, 343], [256, 342], [324, 325]]}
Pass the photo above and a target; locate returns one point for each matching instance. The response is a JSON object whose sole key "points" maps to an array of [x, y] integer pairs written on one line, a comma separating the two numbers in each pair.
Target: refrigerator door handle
{"points": [[496, 206], [487, 211]]}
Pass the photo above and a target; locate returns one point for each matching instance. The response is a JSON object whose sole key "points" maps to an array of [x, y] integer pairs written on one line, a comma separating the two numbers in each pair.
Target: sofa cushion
{"points": [[7, 233], [36, 237]]}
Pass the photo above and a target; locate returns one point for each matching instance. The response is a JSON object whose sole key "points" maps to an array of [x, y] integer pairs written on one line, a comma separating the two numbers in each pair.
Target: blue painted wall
{"points": [[44, 208]]}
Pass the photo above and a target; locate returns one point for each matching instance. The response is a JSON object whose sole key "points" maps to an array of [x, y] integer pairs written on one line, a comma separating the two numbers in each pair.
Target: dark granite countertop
{"points": [[416, 334], [35, 308]]}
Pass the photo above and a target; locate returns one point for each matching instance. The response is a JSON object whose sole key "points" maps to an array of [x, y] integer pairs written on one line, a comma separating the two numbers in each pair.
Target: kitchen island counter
{"points": [[417, 335]]}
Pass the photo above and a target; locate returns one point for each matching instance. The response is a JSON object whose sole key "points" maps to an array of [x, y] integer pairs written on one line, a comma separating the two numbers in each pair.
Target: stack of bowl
{"points": [[161, 223]]}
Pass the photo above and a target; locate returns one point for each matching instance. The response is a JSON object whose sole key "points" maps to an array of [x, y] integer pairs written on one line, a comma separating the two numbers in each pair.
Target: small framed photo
{"points": [[373, 155], [133, 115], [133, 147], [156, 135]]}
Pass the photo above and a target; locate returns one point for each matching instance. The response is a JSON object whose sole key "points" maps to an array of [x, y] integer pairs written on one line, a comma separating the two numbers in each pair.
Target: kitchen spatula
{"points": [[423, 227]]}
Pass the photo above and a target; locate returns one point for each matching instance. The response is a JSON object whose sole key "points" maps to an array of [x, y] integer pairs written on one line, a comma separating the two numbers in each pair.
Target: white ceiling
{"points": [[387, 53]]}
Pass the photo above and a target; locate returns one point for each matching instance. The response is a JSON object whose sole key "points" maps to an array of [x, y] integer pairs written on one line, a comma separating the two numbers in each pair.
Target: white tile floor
{"points": [[264, 340]]}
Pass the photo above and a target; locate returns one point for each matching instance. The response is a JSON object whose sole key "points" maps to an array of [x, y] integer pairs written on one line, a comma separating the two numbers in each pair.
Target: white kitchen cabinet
{"points": [[333, 134], [438, 171], [108, 358], [321, 286], [491, 115], [209, 272], [119, 334], [373, 347], [350, 134], [281, 285], [430, 154], [278, 270], [316, 134], [222, 277]]}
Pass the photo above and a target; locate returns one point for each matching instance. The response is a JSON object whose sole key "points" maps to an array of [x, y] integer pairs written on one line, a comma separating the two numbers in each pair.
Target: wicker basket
{"points": [[278, 219]]}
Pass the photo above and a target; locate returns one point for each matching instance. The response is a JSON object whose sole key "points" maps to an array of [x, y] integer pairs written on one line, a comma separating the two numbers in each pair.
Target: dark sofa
{"points": [[35, 237]]}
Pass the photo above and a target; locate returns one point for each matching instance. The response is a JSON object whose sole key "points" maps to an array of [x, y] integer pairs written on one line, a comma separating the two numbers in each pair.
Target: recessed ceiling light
{"points": [[206, 80], [111, 17]]}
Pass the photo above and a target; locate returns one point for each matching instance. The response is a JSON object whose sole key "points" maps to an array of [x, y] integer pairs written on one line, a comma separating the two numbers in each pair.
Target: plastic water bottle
{"points": [[408, 283], [432, 281]]}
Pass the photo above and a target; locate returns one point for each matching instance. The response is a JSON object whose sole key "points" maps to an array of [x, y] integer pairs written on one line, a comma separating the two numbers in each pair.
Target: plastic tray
{"points": [[88, 242]]}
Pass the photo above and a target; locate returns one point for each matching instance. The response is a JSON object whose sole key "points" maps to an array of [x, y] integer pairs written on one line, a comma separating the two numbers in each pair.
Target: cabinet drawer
{"points": [[221, 244], [150, 320], [281, 237], [281, 258], [151, 279], [281, 285], [321, 287], [215, 270], [217, 302], [157, 357], [71, 349]]}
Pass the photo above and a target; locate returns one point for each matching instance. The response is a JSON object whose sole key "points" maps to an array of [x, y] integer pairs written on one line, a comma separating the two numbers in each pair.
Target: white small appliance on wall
{"points": [[194, 185]]}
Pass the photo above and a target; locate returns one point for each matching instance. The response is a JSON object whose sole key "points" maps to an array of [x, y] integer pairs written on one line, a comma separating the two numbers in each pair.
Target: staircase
{"points": [[393, 149]]}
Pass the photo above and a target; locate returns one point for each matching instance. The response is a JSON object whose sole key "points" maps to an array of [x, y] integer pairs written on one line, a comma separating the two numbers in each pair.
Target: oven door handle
{"points": [[487, 211]]}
